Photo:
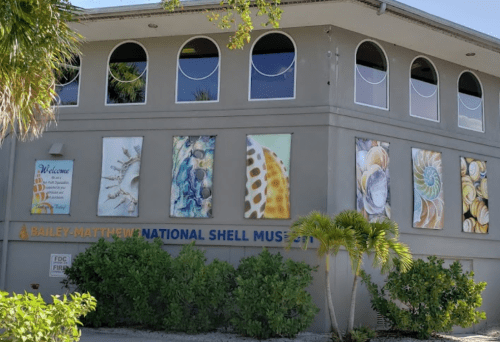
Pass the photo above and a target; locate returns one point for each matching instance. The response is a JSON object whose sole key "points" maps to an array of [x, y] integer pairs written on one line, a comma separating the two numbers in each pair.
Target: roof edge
{"points": [[392, 6]]}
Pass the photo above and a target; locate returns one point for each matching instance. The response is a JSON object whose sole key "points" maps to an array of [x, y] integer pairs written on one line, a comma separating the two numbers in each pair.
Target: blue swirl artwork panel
{"points": [[192, 176], [373, 197], [428, 198]]}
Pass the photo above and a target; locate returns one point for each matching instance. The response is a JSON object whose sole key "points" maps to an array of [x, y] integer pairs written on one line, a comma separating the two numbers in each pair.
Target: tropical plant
{"points": [[378, 239], [34, 40], [430, 298], [239, 10], [270, 298], [330, 237], [27, 318]]}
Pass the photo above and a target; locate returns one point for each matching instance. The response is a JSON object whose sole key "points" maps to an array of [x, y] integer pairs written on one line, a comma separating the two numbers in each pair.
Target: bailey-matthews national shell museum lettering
{"points": [[164, 131]]}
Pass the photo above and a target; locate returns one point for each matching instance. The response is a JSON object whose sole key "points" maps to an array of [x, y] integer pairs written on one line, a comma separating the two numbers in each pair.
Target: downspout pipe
{"points": [[382, 8], [5, 242]]}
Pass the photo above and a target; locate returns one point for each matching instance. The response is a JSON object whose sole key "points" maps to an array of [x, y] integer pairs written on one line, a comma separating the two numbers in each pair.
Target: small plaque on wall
{"points": [[58, 263], [52, 187]]}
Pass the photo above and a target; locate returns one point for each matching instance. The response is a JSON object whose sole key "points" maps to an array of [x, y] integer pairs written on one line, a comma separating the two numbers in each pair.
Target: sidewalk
{"points": [[131, 335]]}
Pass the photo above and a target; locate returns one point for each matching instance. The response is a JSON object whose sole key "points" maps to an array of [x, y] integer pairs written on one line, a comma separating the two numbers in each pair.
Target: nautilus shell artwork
{"points": [[373, 198], [476, 216], [428, 199], [121, 165], [192, 176], [267, 192]]}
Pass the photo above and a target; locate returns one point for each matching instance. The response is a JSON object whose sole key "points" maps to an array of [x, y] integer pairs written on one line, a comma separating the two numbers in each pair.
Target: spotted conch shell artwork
{"points": [[428, 198], [192, 176], [121, 164], [373, 198], [40, 204], [476, 215], [267, 191]]}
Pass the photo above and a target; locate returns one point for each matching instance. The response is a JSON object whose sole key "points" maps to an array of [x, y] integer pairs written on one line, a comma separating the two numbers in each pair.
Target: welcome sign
{"points": [[52, 187]]}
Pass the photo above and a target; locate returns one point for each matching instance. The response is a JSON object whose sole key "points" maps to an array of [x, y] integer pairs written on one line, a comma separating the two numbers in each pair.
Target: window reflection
{"points": [[371, 76], [424, 90], [470, 103], [127, 72], [273, 68], [67, 82], [198, 71]]}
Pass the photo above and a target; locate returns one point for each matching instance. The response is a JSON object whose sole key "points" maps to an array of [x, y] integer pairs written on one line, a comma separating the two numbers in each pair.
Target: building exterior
{"points": [[344, 92]]}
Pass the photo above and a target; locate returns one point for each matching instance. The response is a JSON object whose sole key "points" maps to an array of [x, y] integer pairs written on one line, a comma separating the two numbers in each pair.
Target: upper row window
{"points": [[272, 70], [127, 74], [371, 76], [68, 82], [272, 76]]}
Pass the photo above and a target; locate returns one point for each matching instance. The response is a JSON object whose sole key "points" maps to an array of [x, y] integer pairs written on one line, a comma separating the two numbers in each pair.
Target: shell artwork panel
{"points": [[192, 176], [428, 196], [372, 179], [121, 165], [267, 189], [476, 217]]}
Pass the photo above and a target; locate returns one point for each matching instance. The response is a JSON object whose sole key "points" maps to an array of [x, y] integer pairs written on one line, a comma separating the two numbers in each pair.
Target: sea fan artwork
{"points": [[267, 193], [121, 165], [476, 215], [192, 176], [373, 198], [428, 198]]}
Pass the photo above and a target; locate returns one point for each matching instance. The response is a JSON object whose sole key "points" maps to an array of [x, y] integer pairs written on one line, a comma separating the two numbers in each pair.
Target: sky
{"points": [[479, 15]]}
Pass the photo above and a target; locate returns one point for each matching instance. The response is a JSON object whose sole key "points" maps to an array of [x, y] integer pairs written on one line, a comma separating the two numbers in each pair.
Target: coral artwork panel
{"points": [[192, 176], [373, 198], [267, 190], [428, 198], [476, 215], [121, 165]]}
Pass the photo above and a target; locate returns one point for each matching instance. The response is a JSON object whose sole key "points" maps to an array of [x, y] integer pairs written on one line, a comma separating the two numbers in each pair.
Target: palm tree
{"points": [[330, 237], [378, 239], [34, 39]]}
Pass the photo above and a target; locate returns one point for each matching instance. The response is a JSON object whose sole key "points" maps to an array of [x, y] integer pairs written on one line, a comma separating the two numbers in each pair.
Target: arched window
{"points": [[470, 102], [127, 74], [198, 68], [272, 68], [68, 82], [371, 76], [424, 90]]}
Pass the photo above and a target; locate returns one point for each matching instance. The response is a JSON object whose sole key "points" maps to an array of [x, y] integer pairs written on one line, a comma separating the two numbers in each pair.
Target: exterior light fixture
{"points": [[56, 149]]}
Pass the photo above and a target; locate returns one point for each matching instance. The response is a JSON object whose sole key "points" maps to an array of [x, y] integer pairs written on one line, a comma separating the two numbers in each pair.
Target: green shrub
{"points": [[28, 318], [433, 298], [197, 294], [126, 277], [270, 297]]}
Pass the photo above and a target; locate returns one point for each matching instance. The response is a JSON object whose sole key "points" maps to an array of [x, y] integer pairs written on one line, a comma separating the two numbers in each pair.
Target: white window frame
{"points": [[438, 98], [355, 71], [177, 72], [147, 76], [294, 72], [482, 102], [79, 84]]}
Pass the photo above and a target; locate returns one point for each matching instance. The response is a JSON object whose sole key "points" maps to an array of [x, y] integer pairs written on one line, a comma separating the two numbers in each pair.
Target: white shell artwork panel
{"points": [[373, 198], [267, 190], [121, 164]]}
